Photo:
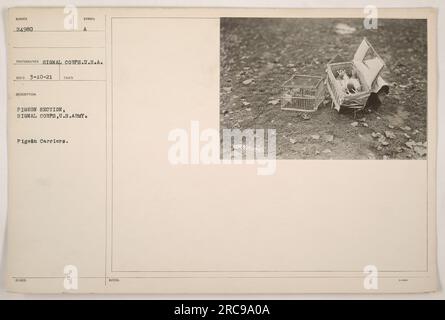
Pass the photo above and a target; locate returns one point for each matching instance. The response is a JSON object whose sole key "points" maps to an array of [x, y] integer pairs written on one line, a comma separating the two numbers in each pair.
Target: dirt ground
{"points": [[267, 52]]}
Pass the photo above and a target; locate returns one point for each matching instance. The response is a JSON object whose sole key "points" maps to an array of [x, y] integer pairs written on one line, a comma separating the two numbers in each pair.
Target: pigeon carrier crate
{"points": [[302, 93], [351, 83]]}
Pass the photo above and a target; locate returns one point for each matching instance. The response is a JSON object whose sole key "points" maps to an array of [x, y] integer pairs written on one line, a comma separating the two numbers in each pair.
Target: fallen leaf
{"points": [[354, 124], [315, 136], [410, 144], [390, 135], [329, 137], [327, 151], [248, 81], [383, 141], [421, 151], [274, 102]]}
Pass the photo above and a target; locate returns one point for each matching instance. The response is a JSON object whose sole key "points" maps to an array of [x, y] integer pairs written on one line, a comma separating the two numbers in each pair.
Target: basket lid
{"points": [[369, 61]]}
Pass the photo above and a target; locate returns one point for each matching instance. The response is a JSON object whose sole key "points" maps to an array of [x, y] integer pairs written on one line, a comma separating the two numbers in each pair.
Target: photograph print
{"points": [[330, 88]]}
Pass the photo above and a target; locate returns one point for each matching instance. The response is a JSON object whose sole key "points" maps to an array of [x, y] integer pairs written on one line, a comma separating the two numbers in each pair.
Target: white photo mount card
{"points": [[221, 150]]}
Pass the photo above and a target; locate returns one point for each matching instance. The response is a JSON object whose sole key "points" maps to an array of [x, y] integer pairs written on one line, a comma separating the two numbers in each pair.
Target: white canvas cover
{"points": [[368, 62]]}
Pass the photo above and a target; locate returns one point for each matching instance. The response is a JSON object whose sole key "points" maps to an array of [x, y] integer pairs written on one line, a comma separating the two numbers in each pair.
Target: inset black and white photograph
{"points": [[330, 88]]}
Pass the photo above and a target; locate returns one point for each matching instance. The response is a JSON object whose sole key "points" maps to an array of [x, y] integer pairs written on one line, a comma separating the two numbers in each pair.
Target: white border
{"points": [[440, 4]]}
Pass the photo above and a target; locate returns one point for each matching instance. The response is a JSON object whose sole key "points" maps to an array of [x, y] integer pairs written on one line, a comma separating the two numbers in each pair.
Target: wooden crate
{"points": [[366, 67]]}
